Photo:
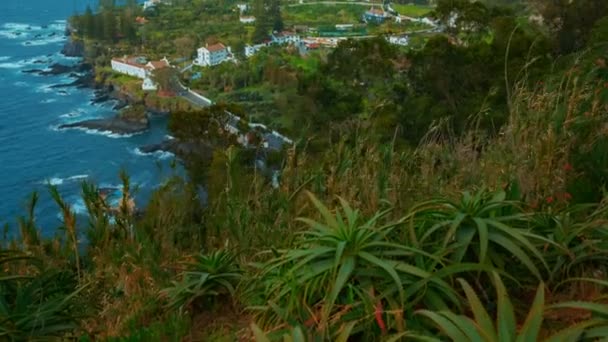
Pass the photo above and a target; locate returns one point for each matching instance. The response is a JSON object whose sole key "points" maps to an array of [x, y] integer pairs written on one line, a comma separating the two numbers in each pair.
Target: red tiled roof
{"points": [[215, 47], [129, 60], [376, 11], [158, 64], [285, 34]]}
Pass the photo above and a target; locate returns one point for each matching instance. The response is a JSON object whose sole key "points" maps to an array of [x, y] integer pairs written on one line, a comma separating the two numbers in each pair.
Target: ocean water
{"points": [[33, 152]]}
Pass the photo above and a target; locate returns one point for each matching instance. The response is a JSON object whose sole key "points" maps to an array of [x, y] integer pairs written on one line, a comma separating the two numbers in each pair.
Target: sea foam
{"points": [[158, 154], [61, 181]]}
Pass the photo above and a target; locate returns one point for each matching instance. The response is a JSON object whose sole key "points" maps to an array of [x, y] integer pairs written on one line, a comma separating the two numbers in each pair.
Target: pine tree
{"points": [[262, 26], [275, 14], [109, 25], [88, 24]]}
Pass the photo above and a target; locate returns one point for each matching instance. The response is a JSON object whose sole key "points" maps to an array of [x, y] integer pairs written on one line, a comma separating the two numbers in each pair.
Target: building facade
{"points": [[212, 55], [140, 68], [285, 37], [375, 16], [247, 19]]}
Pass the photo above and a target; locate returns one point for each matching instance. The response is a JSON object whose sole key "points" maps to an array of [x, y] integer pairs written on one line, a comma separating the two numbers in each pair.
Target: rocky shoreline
{"points": [[116, 125], [84, 77]]}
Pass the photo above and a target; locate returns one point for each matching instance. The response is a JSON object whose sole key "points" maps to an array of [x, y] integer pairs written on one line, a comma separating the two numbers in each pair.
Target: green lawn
{"points": [[411, 10]]}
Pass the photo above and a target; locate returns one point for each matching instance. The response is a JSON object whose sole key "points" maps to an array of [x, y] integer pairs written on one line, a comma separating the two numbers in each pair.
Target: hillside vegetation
{"points": [[450, 193]]}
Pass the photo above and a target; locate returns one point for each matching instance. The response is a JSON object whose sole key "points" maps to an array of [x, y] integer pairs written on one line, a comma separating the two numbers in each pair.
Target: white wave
{"points": [[48, 101], [20, 84], [54, 181], [57, 26], [97, 132], [45, 89], [20, 26], [4, 58], [44, 41], [60, 181], [158, 154], [79, 207], [10, 65]]}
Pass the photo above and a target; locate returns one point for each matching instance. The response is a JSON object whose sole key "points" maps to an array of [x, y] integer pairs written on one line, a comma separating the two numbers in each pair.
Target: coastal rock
{"points": [[73, 48], [115, 125], [59, 69], [85, 81], [178, 148]]}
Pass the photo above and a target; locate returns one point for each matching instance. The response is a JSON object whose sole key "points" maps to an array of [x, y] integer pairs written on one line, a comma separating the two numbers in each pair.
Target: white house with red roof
{"points": [[139, 67], [212, 55]]}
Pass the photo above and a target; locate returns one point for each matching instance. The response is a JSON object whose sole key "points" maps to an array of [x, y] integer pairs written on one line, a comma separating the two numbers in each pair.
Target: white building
{"points": [[247, 19], [132, 66], [212, 55], [285, 37], [151, 3], [242, 7], [399, 40], [140, 68]]}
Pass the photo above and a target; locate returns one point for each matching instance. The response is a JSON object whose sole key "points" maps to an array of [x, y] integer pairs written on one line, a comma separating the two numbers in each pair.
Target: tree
{"points": [[260, 32], [275, 14], [109, 25], [184, 46], [571, 21], [88, 23], [166, 78]]}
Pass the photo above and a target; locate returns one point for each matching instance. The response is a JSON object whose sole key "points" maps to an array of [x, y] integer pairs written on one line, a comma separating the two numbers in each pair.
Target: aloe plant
{"points": [[210, 276], [483, 228], [483, 328], [36, 303], [347, 268]]}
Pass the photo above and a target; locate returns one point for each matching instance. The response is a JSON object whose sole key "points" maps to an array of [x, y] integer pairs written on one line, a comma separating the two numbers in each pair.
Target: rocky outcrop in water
{"points": [[115, 125], [73, 48], [131, 120]]}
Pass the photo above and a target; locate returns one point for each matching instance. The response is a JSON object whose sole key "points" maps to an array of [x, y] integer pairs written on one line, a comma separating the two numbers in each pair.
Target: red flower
{"points": [[550, 199], [567, 196], [568, 167], [379, 319]]}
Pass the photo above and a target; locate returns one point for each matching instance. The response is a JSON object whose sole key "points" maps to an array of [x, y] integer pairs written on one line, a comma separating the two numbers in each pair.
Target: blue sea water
{"points": [[33, 152]]}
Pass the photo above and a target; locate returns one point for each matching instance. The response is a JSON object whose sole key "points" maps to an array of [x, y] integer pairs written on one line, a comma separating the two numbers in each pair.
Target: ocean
{"points": [[33, 152]]}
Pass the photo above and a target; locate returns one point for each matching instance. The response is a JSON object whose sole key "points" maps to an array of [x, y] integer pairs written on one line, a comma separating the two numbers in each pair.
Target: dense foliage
{"points": [[452, 192]]}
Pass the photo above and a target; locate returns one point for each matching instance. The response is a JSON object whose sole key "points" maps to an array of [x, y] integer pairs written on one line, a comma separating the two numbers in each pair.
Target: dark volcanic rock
{"points": [[179, 148], [73, 48], [58, 69], [32, 71], [114, 125]]}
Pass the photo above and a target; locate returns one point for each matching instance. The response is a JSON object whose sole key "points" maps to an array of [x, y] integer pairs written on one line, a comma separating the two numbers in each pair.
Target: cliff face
{"points": [[73, 48]]}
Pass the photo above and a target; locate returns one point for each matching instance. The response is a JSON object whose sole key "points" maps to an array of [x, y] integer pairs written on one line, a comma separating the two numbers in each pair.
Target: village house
{"points": [[375, 16], [247, 19], [140, 68], [212, 55], [399, 40], [285, 37], [242, 7], [152, 3]]}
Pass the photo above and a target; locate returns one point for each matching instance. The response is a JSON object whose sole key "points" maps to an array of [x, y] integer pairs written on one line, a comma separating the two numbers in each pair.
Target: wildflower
{"points": [[550, 199], [567, 196], [568, 167]]}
